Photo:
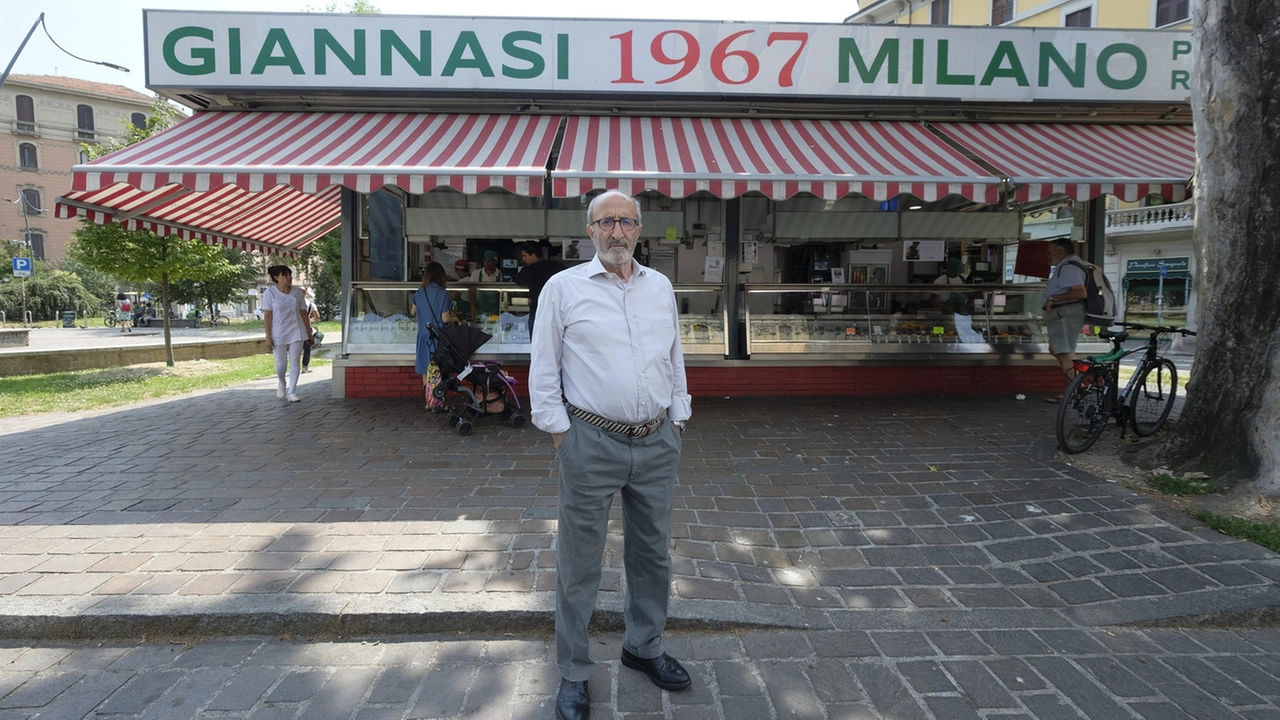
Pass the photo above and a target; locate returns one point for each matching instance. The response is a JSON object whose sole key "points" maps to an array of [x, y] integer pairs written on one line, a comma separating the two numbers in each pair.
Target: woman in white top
{"points": [[284, 314]]}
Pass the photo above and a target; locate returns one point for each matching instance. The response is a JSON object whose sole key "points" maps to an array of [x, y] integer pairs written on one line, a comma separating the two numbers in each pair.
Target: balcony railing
{"points": [[1151, 219]]}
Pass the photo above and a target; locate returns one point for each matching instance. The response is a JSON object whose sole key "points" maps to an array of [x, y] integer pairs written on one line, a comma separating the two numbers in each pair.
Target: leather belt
{"points": [[632, 431]]}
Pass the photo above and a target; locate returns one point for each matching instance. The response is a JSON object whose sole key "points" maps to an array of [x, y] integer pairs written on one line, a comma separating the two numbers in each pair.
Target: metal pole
{"points": [[30, 32], [26, 241]]}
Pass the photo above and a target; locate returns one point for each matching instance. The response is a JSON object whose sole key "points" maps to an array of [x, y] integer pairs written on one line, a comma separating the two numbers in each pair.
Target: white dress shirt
{"points": [[606, 346]]}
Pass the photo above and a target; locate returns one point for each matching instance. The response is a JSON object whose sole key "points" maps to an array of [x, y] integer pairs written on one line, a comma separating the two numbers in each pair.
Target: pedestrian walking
{"points": [[284, 315]]}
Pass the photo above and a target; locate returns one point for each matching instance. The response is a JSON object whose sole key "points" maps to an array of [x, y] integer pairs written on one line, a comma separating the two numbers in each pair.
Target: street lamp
{"points": [[26, 242], [40, 23]]}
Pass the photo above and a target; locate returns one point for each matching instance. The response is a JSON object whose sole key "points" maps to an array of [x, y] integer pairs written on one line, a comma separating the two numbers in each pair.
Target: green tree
{"points": [[322, 261], [49, 292], [227, 282], [139, 256], [100, 285]]}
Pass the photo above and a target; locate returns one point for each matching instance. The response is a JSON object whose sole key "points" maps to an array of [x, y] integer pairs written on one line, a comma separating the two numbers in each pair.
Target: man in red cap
{"points": [[462, 303], [462, 269]]}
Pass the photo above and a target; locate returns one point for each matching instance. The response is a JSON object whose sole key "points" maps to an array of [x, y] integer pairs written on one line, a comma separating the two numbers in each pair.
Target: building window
{"points": [[1001, 12], [26, 109], [31, 204], [940, 12], [36, 241], [139, 121], [1169, 12], [84, 157], [27, 159], [84, 123], [1080, 18]]}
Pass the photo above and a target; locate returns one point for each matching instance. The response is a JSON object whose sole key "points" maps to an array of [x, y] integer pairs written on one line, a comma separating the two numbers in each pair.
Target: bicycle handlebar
{"points": [[1159, 328]]}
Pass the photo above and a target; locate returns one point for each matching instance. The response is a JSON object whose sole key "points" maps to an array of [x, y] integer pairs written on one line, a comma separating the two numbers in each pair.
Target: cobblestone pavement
{"points": [[835, 558]]}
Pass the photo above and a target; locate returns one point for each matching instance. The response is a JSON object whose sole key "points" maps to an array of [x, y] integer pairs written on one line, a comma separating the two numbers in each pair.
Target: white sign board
{"points": [[295, 53]]}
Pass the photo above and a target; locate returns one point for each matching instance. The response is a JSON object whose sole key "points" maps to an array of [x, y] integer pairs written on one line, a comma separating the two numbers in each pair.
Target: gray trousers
{"points": [[594, 465]]}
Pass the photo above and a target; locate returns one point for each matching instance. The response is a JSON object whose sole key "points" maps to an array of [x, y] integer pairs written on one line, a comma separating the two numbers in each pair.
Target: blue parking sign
{"points": [[22, 267]]}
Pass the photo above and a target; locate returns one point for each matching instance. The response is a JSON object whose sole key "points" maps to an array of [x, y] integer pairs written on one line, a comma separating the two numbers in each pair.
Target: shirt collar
{"points": [[597, 268]]}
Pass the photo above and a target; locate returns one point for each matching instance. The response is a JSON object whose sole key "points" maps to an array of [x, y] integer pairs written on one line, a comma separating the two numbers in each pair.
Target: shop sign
{"points": [[292, 52], [1153, 265]]}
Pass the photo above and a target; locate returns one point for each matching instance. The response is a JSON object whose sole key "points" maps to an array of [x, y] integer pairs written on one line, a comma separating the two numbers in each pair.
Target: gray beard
{"points": [[615, 256]]}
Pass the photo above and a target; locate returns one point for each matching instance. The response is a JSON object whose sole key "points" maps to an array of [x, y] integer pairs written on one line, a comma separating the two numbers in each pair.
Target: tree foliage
{"points": [[234, 274], [100, 285], [164, 114], [322, 261], [50, 289], [357, 7], [139, 256]]}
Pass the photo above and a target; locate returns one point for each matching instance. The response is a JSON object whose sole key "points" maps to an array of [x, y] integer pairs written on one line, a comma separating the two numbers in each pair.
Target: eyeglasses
{"points": [[606, 224]]}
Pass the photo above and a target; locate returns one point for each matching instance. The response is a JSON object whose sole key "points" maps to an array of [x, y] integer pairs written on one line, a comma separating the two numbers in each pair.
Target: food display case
{"points": [[703, 319], [899, 320], [376, 320]]}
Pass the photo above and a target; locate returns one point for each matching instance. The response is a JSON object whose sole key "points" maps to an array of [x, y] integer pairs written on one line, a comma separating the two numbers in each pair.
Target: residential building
{"points": [[45, 119], [1141, 237]]}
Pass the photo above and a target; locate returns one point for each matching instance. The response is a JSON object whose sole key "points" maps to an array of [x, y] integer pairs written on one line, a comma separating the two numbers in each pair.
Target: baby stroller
{"points": [[483, 388]]}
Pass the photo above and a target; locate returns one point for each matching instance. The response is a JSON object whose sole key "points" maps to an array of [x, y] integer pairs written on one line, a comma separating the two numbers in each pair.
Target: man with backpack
{"points": [[1064, 307]]}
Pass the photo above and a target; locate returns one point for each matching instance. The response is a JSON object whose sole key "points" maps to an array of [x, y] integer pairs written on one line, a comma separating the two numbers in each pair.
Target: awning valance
{"points": [[1083, 161], [777, 157], [312, 151]]}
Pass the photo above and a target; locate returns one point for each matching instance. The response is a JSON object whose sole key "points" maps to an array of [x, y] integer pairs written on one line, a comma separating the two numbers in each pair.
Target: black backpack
{"points": [[1100, 302]]}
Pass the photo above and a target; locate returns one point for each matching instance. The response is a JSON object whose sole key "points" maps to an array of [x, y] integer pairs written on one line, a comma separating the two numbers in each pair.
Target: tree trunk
{"points": [[1230, 426], [168, 336]]}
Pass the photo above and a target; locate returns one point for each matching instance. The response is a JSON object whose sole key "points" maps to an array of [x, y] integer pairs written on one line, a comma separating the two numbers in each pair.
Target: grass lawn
{"points": [[89, 389]]}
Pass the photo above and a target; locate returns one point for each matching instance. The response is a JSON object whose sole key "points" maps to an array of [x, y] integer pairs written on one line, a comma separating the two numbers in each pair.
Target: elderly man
{"points": [[606, 379], [1063, 303]]}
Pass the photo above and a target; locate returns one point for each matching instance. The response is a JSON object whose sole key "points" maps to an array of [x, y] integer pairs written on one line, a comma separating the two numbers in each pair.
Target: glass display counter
{"points": [[703, 320], [377, 321], [897, 319]]}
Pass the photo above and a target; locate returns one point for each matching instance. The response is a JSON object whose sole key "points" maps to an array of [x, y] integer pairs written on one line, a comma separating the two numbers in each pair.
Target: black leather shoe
{"points": [[572, 703], [665, 671]]}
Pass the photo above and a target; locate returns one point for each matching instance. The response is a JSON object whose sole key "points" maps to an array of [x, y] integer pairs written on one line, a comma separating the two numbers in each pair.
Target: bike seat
{"points": [[1117, 336]]}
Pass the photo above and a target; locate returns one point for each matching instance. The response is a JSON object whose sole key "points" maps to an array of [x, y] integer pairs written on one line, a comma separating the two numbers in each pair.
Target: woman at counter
{"points": [[431, 306]]}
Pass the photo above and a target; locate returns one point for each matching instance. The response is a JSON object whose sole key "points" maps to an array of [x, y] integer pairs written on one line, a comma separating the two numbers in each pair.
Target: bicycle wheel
{"points": [[1153, 397], [1084, 410], [222, 320], [109, 320]]}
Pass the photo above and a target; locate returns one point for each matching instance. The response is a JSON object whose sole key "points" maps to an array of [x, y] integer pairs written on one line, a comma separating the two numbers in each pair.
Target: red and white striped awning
{"points": [[279, 220], [777, 157], [1084, 161], [269, 181], [311, 151]]}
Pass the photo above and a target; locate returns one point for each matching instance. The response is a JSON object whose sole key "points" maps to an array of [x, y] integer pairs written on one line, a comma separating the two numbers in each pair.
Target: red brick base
{"points": [[774, 380]]}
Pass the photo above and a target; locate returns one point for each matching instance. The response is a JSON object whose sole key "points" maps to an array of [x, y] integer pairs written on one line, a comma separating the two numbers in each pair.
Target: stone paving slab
{"points": [[369, 508], [923, 550], [882, 675]]}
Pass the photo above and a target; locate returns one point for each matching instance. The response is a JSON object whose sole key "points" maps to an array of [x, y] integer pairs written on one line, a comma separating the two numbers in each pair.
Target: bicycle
{"points": [[1094, 396], [110, 319], [217, 320]]}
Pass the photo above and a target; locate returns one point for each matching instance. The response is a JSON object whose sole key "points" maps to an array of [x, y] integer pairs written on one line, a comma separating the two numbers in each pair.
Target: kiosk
{"points": [[801, 185]]}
